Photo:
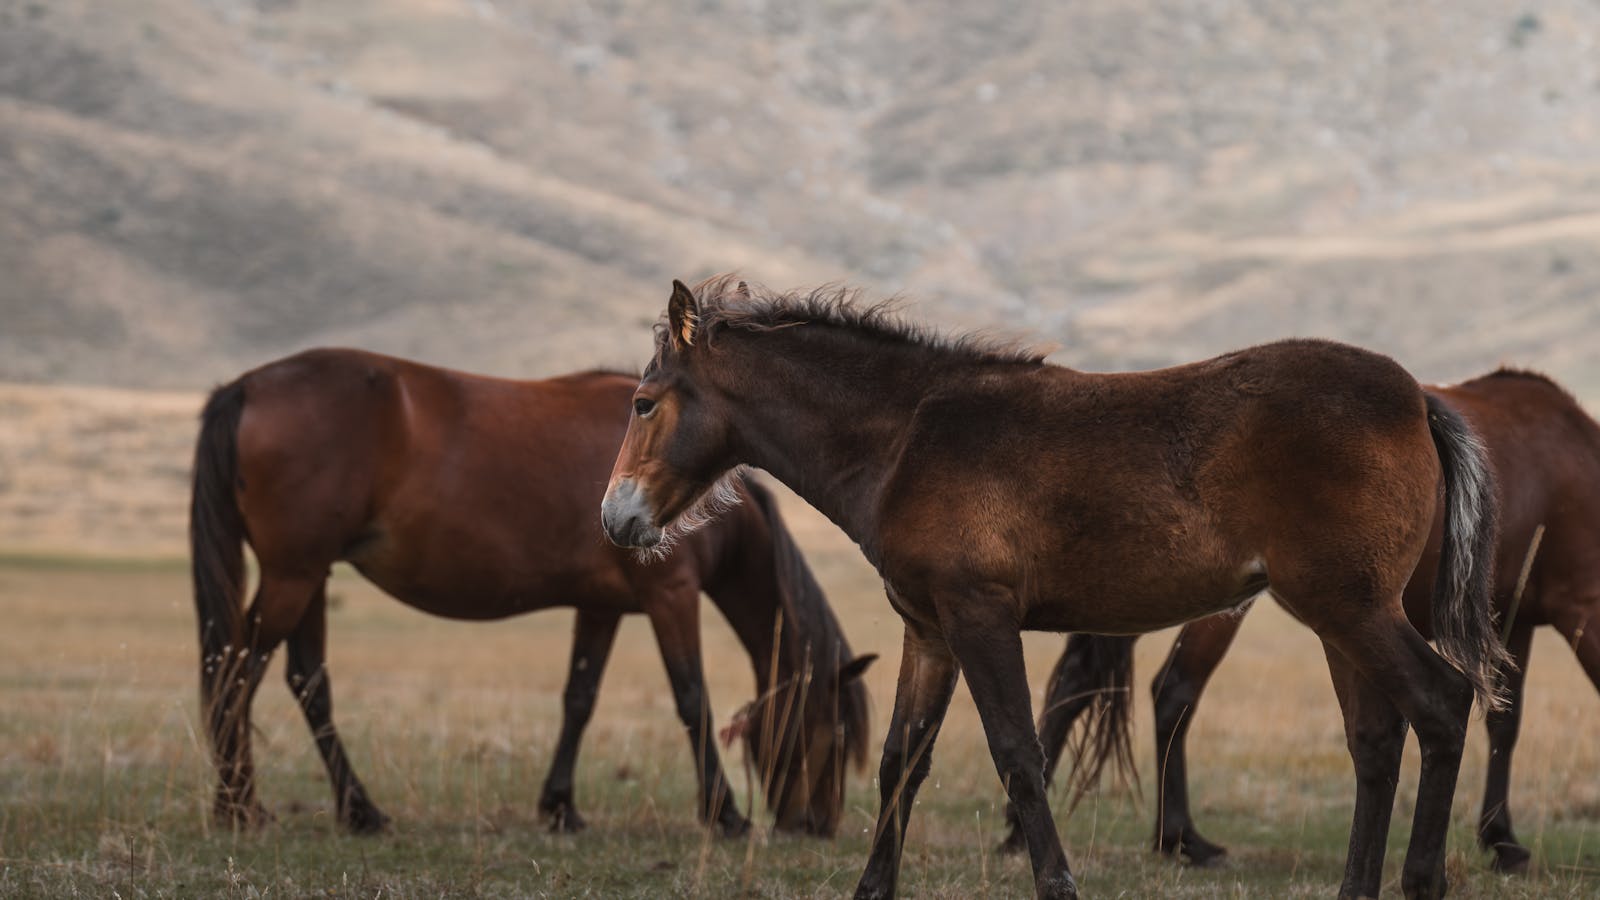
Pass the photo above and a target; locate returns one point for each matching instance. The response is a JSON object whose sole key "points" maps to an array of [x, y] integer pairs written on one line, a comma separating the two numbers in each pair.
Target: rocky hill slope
{"points": [[188, 187]]}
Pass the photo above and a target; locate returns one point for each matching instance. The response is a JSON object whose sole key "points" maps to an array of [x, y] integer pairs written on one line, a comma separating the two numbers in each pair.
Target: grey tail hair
{"points": [[1463, 610]]}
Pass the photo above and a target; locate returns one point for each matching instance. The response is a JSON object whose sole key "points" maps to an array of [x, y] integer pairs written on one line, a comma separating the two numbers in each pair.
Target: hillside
{"points": [[188, 187]]}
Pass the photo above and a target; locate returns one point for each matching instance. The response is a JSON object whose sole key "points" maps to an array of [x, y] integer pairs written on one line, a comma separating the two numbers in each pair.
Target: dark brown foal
{"points": [[996, 493], [1546, 453], [474, 498]]}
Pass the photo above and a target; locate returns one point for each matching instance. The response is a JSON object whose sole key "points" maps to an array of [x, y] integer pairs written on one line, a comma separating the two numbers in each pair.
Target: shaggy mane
{"points": [[727, 302], [1525, 374]]}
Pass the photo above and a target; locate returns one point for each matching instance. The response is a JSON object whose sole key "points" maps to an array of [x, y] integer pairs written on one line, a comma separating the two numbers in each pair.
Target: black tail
{"points": [[216, 542], [1105, 734], [1463, 611]]}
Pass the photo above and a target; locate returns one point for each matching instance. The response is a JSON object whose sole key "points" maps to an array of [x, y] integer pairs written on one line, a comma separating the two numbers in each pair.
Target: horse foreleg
{"points": [[676, 621], [1176, 690], [592, 636], [927, 679], [307, 676], [1494, 825], [987, 641]]}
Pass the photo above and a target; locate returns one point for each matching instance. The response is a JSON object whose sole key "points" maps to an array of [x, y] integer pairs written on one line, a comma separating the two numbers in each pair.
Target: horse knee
{"points": [[897, 766], [1021, 769], [577, 703], [1446, 729], [1375, 748], [1174, 697], [692, 706], [1503, 726]]}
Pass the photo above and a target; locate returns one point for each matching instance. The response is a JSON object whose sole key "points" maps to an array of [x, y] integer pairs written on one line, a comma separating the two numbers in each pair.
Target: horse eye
{"points": [[643, 406]]}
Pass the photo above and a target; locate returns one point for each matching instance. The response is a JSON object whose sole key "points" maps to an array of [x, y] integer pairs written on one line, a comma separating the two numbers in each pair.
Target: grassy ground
{"points": [[105, 786]]}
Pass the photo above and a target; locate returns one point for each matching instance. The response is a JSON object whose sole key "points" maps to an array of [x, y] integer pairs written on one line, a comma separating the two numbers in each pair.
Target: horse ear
{"points": [[683, 315], [743, 291], [857, 667]]}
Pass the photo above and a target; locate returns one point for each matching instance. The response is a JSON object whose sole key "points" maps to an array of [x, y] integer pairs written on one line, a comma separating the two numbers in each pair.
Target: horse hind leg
{"points": [[1494, 824], [1375, 733], [1428, 692], [1176, 690], [279, 603], [987, 644], [1067, 696], [307, 676], [592, 637]]}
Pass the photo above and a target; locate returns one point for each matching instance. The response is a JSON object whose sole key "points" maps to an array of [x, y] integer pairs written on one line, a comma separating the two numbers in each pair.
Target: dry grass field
{"points": [[106, 787]]}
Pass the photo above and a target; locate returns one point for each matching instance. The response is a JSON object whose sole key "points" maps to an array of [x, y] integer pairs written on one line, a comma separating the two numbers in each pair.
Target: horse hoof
{"points": [[1188, 846], [1204, 855], [1014, 843], [1424, 887], [557, 806], [365, 820], [733, 828], [566, 821], [1511, 859], [1061, 887], [249, 816]]}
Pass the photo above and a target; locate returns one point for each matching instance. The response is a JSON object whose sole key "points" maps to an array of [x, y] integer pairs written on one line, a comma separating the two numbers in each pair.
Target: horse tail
{"points": [[807, 612], [1463, 612], [1104, 735], [216, 542]]}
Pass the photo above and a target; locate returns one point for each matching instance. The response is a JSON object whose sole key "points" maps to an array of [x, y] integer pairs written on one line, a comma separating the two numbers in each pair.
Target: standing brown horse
{"points": [[995, 493], [1546, 455], [474, 498]]}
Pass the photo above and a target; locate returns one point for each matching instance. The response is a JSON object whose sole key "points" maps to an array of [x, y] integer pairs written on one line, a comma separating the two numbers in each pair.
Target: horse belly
{"points": [[476, 582], [1137, 604]]}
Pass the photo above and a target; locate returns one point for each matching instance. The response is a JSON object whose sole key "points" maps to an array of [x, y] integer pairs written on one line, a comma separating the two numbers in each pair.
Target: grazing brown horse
{"points": [[1546, 455], [995, 492], [474, 498]]}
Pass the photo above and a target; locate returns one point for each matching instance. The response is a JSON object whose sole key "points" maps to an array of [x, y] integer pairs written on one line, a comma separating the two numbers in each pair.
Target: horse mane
{"points": [[811, 635], [1509, 372], [728, 302], [1512, 372]]}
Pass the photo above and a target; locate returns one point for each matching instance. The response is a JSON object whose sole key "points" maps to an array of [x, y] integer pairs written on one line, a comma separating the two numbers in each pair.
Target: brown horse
{"points": [[474, 498], [995, 492], [1546, 456]]}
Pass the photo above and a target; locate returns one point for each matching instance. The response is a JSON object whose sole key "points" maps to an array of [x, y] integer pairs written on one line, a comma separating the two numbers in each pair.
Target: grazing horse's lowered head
{"points": [[809, 722], [807, 726]]}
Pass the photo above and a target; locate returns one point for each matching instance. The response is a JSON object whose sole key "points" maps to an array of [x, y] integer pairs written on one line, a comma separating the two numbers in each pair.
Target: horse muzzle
{"points": [[626, 516]]}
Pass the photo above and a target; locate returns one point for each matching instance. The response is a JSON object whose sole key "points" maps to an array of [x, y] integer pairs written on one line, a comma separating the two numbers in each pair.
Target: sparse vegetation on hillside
{"points": [[188, 187]]}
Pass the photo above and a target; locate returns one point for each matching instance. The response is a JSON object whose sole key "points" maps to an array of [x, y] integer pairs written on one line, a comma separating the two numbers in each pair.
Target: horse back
{"points": [[1545, 450], [1171, 483], [464, 495]]}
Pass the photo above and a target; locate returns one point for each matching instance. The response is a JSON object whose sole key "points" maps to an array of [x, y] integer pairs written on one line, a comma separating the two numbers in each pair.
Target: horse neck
{"points": [[826, 412]]}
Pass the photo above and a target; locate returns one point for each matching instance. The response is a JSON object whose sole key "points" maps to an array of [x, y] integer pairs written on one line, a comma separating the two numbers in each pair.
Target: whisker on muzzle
{"points": [[721, 496]]}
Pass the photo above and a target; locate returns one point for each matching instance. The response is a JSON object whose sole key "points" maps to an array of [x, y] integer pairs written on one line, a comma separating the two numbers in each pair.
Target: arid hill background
{"points": [[191, 187]]}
